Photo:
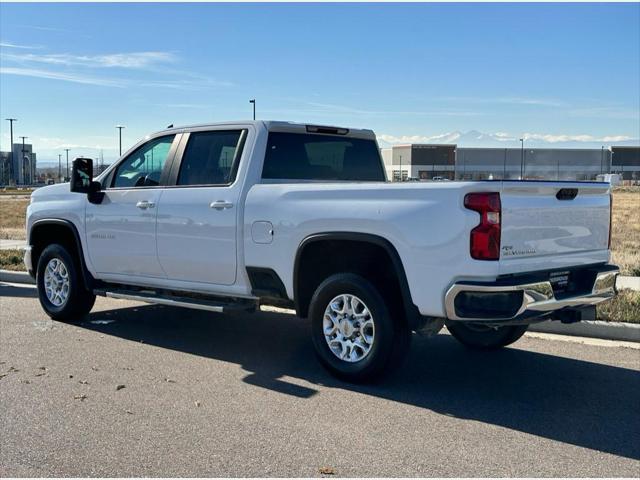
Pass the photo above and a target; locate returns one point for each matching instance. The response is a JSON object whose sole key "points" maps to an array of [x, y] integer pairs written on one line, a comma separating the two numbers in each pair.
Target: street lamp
{"points": [[11, 120], [253, 101], [120, 127], [59, 168], [67, 150], [521, 158], [400, 167]]}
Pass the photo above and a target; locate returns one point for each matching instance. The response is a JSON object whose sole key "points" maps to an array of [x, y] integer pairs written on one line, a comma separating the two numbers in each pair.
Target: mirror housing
{"points": [[82, 180], [81, 175]]}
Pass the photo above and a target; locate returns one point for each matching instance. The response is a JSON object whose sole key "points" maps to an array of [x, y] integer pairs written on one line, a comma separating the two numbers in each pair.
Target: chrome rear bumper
{"points": [[537, 298]]}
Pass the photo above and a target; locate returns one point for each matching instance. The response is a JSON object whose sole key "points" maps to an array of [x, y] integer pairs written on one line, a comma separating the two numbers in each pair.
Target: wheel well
{"points": [[319, 259], [45, 234]]}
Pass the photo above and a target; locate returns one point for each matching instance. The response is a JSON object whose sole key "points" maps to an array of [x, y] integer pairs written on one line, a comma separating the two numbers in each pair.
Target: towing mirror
{"points": [[81, 175], [82, 180]]}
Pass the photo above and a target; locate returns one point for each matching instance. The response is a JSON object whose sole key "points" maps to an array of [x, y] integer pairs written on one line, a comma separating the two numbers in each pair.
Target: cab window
{"points": [[143, 167], [211, 158]]}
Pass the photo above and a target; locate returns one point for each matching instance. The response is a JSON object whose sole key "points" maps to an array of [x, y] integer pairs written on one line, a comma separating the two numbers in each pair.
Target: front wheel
{"points": [[354, 333], [61, 288], [483, 337]]}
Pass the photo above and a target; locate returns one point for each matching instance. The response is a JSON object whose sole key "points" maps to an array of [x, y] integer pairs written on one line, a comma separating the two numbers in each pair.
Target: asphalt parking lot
{"points": [[139, 390]]}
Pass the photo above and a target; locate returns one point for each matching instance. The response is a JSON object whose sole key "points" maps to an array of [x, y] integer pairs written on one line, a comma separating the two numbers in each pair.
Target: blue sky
{"points": [[561, 74]]}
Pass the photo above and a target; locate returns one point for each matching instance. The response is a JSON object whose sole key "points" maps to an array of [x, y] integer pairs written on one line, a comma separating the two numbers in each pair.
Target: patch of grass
{"points": [[12, 260], [13, 211], [16, 191], [625, 231], [625, 307]]}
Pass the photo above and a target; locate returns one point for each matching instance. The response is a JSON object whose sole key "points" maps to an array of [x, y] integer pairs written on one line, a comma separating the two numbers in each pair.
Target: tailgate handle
{"points": [[567, 193]]}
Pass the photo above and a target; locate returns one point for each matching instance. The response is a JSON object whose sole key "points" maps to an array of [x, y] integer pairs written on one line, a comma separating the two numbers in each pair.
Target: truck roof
{"points": [[282, 126]]}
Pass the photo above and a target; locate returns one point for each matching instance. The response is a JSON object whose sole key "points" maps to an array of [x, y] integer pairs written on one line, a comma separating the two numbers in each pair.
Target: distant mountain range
{"points": [[474, 138]]}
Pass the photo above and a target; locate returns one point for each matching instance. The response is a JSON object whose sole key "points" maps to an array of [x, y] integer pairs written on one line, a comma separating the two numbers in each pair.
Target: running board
{"points": [[176, 301]]}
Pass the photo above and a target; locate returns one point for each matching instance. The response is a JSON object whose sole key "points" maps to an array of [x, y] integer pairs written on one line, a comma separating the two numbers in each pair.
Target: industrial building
{"points": [[426, 162], [19, 166]]}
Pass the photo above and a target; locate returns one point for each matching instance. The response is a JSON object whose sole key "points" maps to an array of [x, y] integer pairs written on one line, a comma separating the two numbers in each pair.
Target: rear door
{"points": [[198, 215], [553, 223]]}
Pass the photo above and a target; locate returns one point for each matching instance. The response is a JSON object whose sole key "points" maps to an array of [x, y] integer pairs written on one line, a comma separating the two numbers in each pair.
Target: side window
{"points": [[210, 158], [144, 166]]}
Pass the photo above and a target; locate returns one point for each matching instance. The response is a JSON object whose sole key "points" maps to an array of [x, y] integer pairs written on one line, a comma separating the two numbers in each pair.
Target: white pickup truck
{"points": [[231, 216]]}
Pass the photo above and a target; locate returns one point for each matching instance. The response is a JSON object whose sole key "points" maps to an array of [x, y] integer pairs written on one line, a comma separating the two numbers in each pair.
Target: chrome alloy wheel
{"points": [[56, 282], [348, 328]]}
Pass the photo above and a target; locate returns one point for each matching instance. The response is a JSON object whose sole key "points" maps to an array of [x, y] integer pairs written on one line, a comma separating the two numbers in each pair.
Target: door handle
{"points": [[220, 205], [144, 204]]}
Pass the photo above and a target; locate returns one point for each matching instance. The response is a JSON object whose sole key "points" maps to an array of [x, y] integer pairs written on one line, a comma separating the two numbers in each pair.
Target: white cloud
{"points": [[549, 138], [68, 77], [475, 138], [81, 69], [23, 47], [403, 139], [134, 60]]}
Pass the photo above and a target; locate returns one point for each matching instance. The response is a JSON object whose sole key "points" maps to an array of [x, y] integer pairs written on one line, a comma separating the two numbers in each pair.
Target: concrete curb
{"points": [[626, 332], [15, 277]]}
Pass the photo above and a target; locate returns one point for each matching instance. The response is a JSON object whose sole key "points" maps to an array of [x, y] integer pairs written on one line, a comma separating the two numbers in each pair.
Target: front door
{"points": [[121, 230], [197, 217]]}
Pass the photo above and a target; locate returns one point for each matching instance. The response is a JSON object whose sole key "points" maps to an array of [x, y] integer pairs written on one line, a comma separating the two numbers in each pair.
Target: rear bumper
{"points": [[528, 296]]}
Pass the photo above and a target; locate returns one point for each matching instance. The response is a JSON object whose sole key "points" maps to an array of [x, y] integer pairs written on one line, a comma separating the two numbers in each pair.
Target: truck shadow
{"points": [[572, 401]]}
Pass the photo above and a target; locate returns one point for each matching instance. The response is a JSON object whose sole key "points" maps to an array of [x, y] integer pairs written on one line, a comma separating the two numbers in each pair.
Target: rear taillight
{"points": [[485, 238], [610, 219]]}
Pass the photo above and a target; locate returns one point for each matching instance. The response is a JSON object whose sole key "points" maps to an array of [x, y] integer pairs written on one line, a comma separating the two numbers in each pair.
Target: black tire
{"points": [[485, 338], [79, 300], [392, 337]]}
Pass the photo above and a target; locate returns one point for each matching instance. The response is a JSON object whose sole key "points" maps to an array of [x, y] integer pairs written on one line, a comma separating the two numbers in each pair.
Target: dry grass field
{"points": [[13, 209], [625, 234], [12, 260], [625, 238]]}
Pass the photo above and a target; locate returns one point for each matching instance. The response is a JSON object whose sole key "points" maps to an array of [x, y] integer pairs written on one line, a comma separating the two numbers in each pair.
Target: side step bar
{"points": [[152, 297]]}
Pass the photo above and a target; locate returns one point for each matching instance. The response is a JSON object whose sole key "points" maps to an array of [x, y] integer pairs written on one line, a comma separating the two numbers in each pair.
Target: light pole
{"points": [[11, 120], [120, 127], [400, 167], [253, 101], [521, 158], [22, 161], [59, 168], [67, 150]]}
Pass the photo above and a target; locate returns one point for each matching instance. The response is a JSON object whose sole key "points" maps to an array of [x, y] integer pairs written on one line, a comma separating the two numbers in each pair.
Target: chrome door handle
{"points": [[220, 205], [144, 204]]}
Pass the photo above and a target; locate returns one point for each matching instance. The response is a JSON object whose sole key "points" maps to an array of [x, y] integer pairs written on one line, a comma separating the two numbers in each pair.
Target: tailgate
{"points": [[559, 223]]}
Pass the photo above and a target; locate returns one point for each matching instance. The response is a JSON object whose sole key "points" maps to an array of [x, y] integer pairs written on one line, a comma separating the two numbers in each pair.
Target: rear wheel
{"points": [[483, 337], [61, 288], [355, 335]]}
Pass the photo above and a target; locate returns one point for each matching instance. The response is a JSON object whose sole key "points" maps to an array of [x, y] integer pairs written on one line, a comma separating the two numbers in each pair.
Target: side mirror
{"points": [[81, 175], [82, 180]]}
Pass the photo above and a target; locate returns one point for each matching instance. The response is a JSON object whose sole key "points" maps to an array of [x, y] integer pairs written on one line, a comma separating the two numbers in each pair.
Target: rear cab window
{"points": [[298, 156]]}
